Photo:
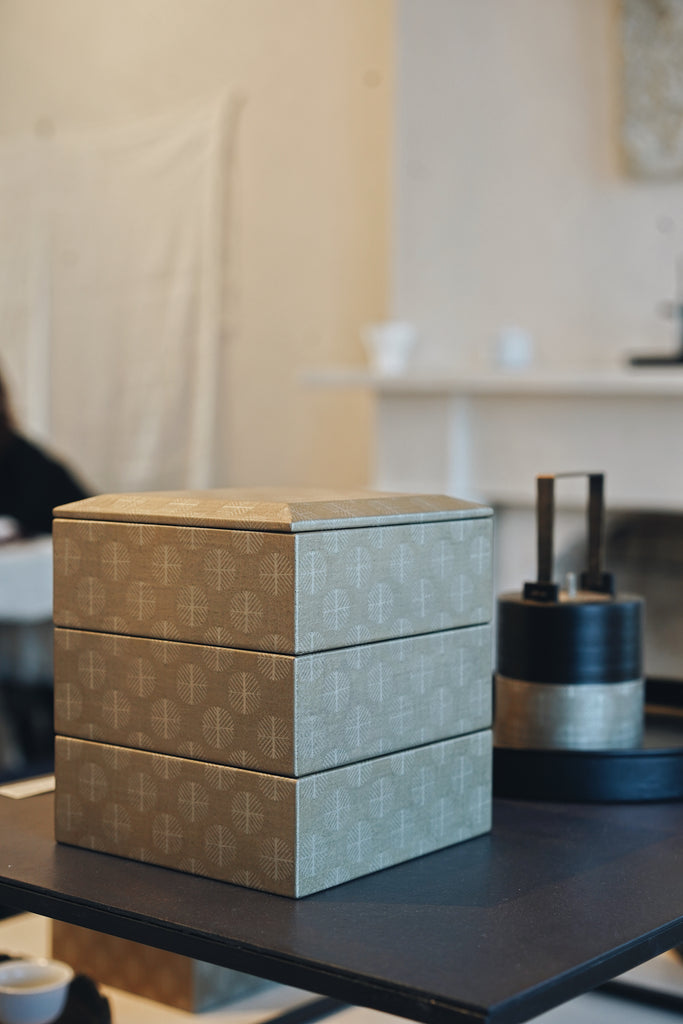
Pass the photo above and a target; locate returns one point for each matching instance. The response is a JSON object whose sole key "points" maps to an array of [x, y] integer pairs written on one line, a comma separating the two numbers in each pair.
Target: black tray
{"points": [[651, 772]]}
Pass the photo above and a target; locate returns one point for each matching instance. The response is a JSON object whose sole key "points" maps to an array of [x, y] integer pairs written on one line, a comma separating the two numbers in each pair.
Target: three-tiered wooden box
{"points": [[281, 691]]}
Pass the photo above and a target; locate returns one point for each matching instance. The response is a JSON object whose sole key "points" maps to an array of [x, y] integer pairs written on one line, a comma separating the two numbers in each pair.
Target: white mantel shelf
{"points": [[636, 381], [486, 436]]}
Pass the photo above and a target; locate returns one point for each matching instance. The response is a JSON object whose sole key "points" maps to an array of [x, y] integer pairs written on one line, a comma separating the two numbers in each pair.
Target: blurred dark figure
{"points": [[31, 481]]}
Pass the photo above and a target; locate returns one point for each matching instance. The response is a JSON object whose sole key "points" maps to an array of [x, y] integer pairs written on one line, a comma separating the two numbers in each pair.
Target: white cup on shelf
{"points": [[389, 346], [514, 348]]}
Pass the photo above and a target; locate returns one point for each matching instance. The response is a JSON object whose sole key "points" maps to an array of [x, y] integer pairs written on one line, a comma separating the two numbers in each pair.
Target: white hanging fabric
{"points": [[112, 285]]}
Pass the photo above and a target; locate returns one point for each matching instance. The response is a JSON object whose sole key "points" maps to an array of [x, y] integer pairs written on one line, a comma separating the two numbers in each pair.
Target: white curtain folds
{"points": [[113, 276]]}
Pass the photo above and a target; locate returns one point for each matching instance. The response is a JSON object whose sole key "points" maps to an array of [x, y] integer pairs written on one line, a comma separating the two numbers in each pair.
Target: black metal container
{"points": [[569, 670]]}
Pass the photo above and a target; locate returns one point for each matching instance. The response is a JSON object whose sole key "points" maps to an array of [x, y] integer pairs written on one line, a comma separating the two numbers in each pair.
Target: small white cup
{"points": [[514, 348], [389, 345], [33, 990]]}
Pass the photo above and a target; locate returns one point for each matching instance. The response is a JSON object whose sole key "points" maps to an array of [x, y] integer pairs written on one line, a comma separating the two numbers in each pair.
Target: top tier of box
{"points": [[274, 571]]}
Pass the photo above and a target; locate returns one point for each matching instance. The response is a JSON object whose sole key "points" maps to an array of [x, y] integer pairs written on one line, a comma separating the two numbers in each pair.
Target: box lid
{"points": [[281, 510]]}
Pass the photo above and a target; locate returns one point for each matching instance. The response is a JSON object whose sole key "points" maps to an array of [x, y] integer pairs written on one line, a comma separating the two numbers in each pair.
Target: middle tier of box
{"points": [[282, 714]]}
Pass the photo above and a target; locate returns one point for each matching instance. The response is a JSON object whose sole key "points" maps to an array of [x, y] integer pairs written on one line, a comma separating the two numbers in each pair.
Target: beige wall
{"points": [[311, 189], [512, 204]]}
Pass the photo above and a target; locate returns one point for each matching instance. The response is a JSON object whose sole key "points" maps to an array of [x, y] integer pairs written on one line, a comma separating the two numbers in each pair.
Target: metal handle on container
{"points": [[594, 578]]}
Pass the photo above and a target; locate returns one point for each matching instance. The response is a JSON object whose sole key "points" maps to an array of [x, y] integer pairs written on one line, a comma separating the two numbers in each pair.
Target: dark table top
{"points": [[556, 900]]}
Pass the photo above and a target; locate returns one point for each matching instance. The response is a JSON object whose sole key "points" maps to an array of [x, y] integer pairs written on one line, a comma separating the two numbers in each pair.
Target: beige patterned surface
{"points": [[153, 973], [286, 836], [272, 712], [268, 508], [273, 592]]}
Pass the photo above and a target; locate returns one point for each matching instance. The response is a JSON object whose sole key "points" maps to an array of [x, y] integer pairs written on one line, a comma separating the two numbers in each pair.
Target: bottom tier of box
{"points": [[276, 833]]}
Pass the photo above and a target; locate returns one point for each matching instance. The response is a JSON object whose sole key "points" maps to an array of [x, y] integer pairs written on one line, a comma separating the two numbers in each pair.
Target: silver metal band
{"points": [[554, 716]]}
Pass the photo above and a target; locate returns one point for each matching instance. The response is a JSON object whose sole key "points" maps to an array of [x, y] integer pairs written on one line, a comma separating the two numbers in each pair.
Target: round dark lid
{"points": [[590, 639]]}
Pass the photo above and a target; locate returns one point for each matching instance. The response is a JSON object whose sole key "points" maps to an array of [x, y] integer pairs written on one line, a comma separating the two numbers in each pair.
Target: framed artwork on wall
{"points": [[652, 88]]}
